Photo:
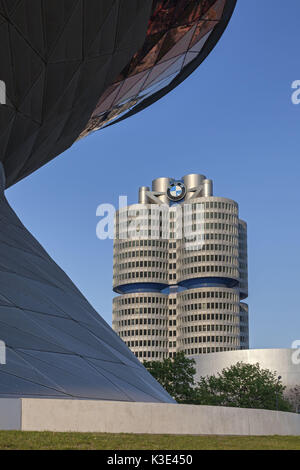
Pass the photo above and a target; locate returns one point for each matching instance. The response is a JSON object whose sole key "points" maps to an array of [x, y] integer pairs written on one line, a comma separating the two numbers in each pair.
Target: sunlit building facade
{"points": [[180, 269]]}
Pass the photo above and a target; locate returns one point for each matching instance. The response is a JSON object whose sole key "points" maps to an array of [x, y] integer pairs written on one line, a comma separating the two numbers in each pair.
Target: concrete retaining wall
{"points": [[149, 418]]}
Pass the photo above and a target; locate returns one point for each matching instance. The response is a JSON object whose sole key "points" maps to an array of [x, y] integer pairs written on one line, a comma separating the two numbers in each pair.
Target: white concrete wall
{"points": [[152, 418], [279, 360], [149, 418]]}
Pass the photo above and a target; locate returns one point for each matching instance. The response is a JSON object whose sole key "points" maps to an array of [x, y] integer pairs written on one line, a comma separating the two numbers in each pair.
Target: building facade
{"points": [[180, 269]]}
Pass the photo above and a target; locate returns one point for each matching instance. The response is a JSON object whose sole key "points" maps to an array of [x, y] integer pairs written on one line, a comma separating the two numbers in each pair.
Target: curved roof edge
{"points": [[191, 67]]}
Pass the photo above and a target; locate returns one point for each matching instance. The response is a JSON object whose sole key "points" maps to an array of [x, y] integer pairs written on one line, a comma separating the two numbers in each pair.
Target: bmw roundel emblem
{"points": [[176, 191]]}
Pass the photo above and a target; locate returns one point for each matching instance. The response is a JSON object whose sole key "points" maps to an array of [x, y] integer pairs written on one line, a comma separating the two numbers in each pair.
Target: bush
{"points": [[244, 386]]}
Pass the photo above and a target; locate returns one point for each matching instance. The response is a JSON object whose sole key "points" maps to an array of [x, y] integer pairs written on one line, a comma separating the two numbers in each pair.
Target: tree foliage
{"points": [[241, 385], [176, 375], [244, 386]]}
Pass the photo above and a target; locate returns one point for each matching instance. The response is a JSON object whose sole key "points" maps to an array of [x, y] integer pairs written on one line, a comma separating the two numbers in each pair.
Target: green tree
{"points": [[176, 375], [244, 386]]}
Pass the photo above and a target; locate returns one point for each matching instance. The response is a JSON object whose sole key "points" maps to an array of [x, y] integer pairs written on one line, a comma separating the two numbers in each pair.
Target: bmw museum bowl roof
{"points": [[71, 67]]}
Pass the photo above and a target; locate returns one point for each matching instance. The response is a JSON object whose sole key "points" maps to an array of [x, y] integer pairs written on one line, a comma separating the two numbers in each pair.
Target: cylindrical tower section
{"points": [[243, 259], [140, 249], [141, 320], [208, 320], [207, 188], [192, 181], [212, 259], [160, 185], [172, 323], [143, 198], [197, 248]]}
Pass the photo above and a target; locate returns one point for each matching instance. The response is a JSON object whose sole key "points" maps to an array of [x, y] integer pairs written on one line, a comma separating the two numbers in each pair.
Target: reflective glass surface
{"points": [[177, 33]]}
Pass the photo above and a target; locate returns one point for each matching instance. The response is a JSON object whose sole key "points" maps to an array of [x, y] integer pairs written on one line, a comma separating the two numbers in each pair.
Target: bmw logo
{"points": [[176, 191]]}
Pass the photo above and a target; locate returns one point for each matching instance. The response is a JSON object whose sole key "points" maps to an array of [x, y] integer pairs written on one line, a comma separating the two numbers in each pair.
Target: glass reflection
{"points": [[177, 32]]}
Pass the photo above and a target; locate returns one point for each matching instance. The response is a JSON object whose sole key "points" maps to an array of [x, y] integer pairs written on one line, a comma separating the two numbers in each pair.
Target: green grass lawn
{"points": [[89, 441]]}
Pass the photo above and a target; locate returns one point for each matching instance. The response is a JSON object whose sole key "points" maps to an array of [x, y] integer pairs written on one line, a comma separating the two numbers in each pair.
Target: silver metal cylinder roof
{"points": [[193, 180], [143, 199], [161, 185], [207, 188]]}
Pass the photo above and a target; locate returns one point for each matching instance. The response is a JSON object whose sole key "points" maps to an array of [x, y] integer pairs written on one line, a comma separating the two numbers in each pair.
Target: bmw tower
{"points": [[180, 269]]}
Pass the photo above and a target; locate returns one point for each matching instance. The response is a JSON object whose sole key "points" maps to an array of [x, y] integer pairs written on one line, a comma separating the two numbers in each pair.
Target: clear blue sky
{"points": [[232, 120]]}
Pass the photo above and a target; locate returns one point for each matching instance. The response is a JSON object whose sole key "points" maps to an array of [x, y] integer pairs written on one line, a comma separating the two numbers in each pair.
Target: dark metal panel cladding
{"points": [[57, 57], [57, 345]]}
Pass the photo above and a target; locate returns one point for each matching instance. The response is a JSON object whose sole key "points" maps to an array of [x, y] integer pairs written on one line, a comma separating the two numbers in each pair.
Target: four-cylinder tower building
{"points": [[180, 267]]}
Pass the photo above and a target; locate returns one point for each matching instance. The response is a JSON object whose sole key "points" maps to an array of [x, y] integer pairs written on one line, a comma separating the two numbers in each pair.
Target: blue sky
{"points": [[232, 120]]}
